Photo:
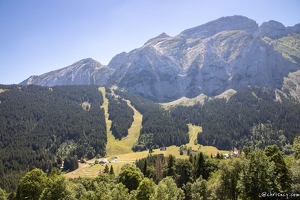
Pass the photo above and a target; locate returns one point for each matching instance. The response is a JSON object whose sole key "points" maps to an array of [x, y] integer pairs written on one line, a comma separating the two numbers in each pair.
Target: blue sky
{"points": [[40, 36]]}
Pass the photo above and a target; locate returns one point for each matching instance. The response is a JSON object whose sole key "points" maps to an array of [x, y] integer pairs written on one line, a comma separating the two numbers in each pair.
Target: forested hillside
{"points": [[120, 114], [42, 126], [159, 127], [251, 117]]}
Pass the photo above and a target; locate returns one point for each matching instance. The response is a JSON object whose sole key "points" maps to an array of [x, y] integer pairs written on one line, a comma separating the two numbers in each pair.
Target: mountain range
{"points": [[227, 53]]}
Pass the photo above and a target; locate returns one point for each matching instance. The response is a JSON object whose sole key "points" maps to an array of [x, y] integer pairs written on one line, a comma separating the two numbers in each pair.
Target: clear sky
{"points": [[38, 36]]}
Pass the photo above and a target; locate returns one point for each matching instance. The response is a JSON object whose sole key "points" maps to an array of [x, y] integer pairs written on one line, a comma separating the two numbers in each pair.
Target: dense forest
{"points": [[159, 128], [41, 127], [251, 117], [120, 114], [254, 174], [48, 128]]}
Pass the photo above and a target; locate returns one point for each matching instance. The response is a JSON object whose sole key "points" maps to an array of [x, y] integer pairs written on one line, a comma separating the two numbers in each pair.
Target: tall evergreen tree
{"points": [[295, 185], [144, 169], [296, 147], [183, 169], [170, 170], [200, 168], [106, 169], [111, 171], [229, 177], [282, 173], [257, 175]]}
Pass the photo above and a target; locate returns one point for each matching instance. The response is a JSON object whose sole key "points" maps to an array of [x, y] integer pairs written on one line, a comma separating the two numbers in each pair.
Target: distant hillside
{"points": [[42, 126], [252, 117]]}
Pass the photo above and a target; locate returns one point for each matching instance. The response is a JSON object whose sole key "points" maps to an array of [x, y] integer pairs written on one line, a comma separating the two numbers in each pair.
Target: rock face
{"points": [[273, 29], [227, 53], [83, 72]]}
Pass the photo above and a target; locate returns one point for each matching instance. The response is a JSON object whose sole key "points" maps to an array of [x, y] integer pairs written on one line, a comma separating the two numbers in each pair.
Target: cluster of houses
{"points": [[234, 153], [105, 161]]}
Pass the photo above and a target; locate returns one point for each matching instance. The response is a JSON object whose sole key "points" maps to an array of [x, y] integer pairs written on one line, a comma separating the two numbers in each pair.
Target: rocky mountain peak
{"points": [[222, 24], [88, 60], [294, 29], [157, 38], [272, 29], [83, 72], [227, 53]]}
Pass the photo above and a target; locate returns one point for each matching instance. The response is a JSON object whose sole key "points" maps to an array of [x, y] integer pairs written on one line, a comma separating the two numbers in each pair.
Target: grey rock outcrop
{"points": [[227, 53], [83, 72], [224, 54], [272, 29], [222, 24]]}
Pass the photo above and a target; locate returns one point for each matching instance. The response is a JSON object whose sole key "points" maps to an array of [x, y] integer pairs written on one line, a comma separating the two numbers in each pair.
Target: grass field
{"points": [[117, 147], [91, 171], [2, 90], [122, 148], [174, 150], [184, 101]]}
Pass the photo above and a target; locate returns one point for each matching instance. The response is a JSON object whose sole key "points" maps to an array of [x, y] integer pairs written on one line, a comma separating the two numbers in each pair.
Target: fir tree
{"points": [[106, 169]]}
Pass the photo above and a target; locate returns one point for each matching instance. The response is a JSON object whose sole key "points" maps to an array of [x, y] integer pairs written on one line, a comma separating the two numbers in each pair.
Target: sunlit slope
{"points": [[117, 147]]}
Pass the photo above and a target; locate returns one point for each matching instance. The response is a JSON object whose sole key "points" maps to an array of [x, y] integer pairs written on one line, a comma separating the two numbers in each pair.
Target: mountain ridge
{"points": [[227, 53], [82, 72]]}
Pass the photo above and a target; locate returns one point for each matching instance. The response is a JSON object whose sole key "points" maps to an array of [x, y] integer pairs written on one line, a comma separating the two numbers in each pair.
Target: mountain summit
{"points": [[227, 53], [83, 72], [222, 24]]}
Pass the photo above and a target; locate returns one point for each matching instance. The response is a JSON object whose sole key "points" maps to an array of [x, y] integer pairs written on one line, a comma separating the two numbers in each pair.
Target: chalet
{"points": [[103, 162]]}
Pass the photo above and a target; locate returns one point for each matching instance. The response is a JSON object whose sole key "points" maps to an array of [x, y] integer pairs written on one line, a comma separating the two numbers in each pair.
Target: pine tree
{"points": [[144, 170], [170, 171], [283, 175], [106, 169], [188, 151], [111, 171], [296, 148], [183, 171], [200, 168], [181, 151], [230, 170], [257, 175]]}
